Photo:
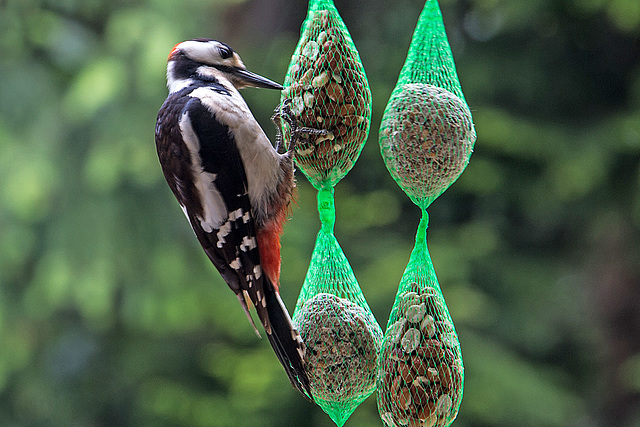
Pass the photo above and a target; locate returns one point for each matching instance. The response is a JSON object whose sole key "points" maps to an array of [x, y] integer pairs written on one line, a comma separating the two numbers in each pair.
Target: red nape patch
{"points": [[173, 52]]}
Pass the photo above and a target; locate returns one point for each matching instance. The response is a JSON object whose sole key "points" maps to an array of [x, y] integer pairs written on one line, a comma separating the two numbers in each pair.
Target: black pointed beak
{"points": [[247, 78]]}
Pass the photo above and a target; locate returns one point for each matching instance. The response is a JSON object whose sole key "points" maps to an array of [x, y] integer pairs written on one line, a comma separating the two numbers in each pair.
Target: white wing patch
{"points": [[257, 271], [235, 264], [224, 231], [247, 244], [213, 206]]}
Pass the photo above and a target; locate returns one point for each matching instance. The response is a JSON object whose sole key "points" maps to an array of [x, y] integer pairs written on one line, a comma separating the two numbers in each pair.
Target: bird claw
{"points": [[283, 112]]}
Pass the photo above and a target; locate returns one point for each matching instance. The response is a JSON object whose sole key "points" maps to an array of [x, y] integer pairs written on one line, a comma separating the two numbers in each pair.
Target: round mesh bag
{"points": [[427, 133], [328, 90], [426, 140]]}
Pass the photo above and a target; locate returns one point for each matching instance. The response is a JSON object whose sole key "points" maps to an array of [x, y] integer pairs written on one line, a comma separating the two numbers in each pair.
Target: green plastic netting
{"points": [[329, 95], [328, 90], [427, 133], [339, 330], [420, 371], [426, 139]]}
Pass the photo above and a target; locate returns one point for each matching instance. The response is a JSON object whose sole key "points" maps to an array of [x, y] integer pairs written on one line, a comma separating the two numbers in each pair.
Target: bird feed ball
{"points": [[426, 139], [342, 349], [420, 377], [328, 90]]}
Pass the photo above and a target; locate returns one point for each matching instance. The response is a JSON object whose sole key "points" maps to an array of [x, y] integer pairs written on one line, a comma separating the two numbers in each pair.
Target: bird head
{"points": [[212, 61]]}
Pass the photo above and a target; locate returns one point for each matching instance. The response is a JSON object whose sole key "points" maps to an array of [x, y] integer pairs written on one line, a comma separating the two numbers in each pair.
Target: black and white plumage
{"points": [[232, 184]]}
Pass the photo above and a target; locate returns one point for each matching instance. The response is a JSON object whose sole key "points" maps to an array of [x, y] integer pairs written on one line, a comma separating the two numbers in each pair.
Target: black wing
{"points": [[204, 170]]}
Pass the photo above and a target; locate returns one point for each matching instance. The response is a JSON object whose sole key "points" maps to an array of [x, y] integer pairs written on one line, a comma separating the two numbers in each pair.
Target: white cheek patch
{"points": [[174, 84], [213, 206]]}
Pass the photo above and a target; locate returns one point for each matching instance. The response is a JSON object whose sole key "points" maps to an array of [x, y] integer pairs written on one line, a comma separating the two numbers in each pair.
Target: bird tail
{"points": [[285, 340]]}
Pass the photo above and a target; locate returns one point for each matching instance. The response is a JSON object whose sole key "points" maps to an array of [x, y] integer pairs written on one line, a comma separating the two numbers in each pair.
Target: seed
{"points": [[418, 394], [320, 80], [410, 340], [347, 110], [403, 371], [428, 414], [311, 50], [308, 119], [419, 365], [306, 78], [395, 328], [341, 130], [396, 384], [322, 38], [415, 313], [428, 326], [327, 46], [404, 398], [335, 92], [443, 405], [409, 298], [387, 419], [297, 105], [444, 326], [449, 339], [432, 375], [431, 349], [308, 99], [444, 373], [331, 109], [352, 120], [326, 137], [304, 152]]}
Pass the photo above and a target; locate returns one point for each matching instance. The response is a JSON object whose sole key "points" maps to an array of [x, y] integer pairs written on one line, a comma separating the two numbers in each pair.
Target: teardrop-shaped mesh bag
{"points": [[420, 377], [328, 90]]}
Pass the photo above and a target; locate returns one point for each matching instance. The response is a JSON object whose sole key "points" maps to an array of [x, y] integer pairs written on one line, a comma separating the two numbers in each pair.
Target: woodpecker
{"points": [[232, 184]]}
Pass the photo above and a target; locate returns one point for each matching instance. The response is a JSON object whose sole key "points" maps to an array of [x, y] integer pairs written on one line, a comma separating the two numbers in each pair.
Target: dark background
{"points": [[111, 315]]}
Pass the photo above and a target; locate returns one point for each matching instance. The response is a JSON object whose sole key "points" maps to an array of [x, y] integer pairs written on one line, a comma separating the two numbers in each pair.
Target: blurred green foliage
{"points": [[111, 315]]}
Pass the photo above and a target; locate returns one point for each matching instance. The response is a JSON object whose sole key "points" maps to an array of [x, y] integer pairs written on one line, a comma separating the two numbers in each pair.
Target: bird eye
{"points": [[225, 52]]}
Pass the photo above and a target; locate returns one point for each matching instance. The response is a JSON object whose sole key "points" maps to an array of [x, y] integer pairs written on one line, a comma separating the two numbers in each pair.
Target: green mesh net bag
{"points": [[420, 371], [328, 94], [328, 90], [427, 133], [426, 139], [341, 335]]}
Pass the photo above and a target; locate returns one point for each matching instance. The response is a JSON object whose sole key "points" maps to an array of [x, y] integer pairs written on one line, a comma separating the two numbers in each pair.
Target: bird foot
{"points": [[283, 112]]}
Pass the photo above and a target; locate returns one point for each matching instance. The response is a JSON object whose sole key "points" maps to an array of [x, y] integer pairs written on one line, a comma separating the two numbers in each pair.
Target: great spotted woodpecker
{"points": [[233, 185]]}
